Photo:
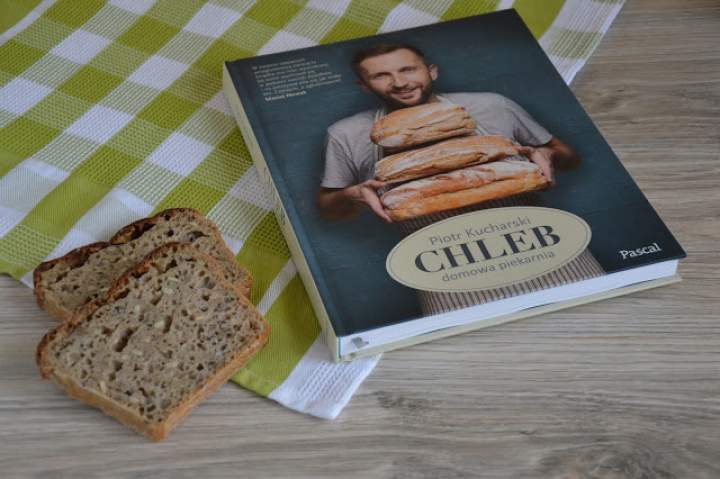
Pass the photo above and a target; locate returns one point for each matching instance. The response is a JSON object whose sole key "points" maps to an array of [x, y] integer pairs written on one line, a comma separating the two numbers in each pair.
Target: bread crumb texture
{"points": [[75, 283], [170, 327]]}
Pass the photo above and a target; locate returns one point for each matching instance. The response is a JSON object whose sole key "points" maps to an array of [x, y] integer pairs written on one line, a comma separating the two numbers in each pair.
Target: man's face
{"points": [[400, 78]]}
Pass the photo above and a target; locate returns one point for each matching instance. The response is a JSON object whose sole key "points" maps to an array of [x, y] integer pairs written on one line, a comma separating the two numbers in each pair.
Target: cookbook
{"points": [[441, 179]]}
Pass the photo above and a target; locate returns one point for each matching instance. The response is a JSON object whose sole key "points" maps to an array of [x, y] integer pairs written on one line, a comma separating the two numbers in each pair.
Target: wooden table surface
{"points": [[628, 387]]}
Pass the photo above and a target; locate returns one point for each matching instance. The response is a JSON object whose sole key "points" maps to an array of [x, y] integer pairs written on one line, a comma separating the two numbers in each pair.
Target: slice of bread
{"points": [[85, 274], [169, 333]]}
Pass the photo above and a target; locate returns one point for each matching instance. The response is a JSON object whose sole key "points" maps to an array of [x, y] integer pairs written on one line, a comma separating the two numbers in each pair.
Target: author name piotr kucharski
{"points": [[634, 253]]}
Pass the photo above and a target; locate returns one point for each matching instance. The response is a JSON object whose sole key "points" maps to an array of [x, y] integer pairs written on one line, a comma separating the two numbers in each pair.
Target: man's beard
{"points": [[393, 104]]}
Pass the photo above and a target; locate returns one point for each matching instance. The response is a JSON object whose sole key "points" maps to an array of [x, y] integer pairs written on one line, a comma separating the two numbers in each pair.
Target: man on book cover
{"points": [[401, 77]]}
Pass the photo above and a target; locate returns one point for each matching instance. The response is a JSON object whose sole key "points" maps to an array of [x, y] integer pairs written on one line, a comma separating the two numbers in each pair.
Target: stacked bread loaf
{"points": [[458, 168], [153, 321]]}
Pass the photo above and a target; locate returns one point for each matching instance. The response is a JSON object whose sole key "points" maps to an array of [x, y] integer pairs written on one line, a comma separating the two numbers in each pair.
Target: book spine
{"points": [[286, 227]]}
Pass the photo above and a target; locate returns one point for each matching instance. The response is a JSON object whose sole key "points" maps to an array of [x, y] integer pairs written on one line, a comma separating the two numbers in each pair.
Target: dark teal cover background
{"points": [[493, 53]]}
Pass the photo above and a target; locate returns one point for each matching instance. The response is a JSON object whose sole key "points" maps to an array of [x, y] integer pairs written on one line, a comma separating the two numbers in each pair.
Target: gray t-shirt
{"points": [[350, 155]]}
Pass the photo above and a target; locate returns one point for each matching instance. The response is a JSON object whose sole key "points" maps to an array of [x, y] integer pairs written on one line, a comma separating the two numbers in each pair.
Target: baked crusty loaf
{"points": [[168, 334], [445, 156], [464, 187], [421, 124], [84, 274]]}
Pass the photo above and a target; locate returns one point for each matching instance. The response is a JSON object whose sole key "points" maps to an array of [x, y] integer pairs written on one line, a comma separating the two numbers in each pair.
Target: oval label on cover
{"points": [[488, 249]]}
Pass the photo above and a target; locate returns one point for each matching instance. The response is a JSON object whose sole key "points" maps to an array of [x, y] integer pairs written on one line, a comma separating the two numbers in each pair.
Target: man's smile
{"points": [[408, 94]]}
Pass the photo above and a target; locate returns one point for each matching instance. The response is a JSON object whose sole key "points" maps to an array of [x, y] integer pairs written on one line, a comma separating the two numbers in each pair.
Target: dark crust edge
{"points": [[156, 432], [126, 234], [72, 257], [64, 328]]}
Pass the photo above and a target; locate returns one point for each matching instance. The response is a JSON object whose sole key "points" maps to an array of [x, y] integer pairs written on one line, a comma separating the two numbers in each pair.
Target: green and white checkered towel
{"points": [[112, 111]]}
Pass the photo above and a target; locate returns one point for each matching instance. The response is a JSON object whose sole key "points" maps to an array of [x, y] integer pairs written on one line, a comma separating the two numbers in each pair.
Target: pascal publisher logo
{"points": [[634, 253], [488, 249]]}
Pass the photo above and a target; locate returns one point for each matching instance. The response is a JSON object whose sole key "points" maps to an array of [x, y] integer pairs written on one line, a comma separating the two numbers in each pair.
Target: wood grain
{"points": [[625, 388]]}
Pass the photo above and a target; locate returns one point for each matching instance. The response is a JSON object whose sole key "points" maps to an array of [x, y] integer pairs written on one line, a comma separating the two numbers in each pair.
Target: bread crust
{"points": [[124, 235], [445, 156], [128, 233], [466, 197], [156, 432], [74, 257], [421, 124]]}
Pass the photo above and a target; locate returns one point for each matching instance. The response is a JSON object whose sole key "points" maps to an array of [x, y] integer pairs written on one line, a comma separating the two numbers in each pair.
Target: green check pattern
{"points": [[110, 111]]}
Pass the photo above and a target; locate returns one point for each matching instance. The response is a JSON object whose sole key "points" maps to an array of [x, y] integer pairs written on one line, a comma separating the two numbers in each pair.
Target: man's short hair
{"points": [[381, 49]]}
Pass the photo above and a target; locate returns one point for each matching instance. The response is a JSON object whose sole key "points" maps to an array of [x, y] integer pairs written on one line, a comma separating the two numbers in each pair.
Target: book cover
{"points": [[442, 178]]}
